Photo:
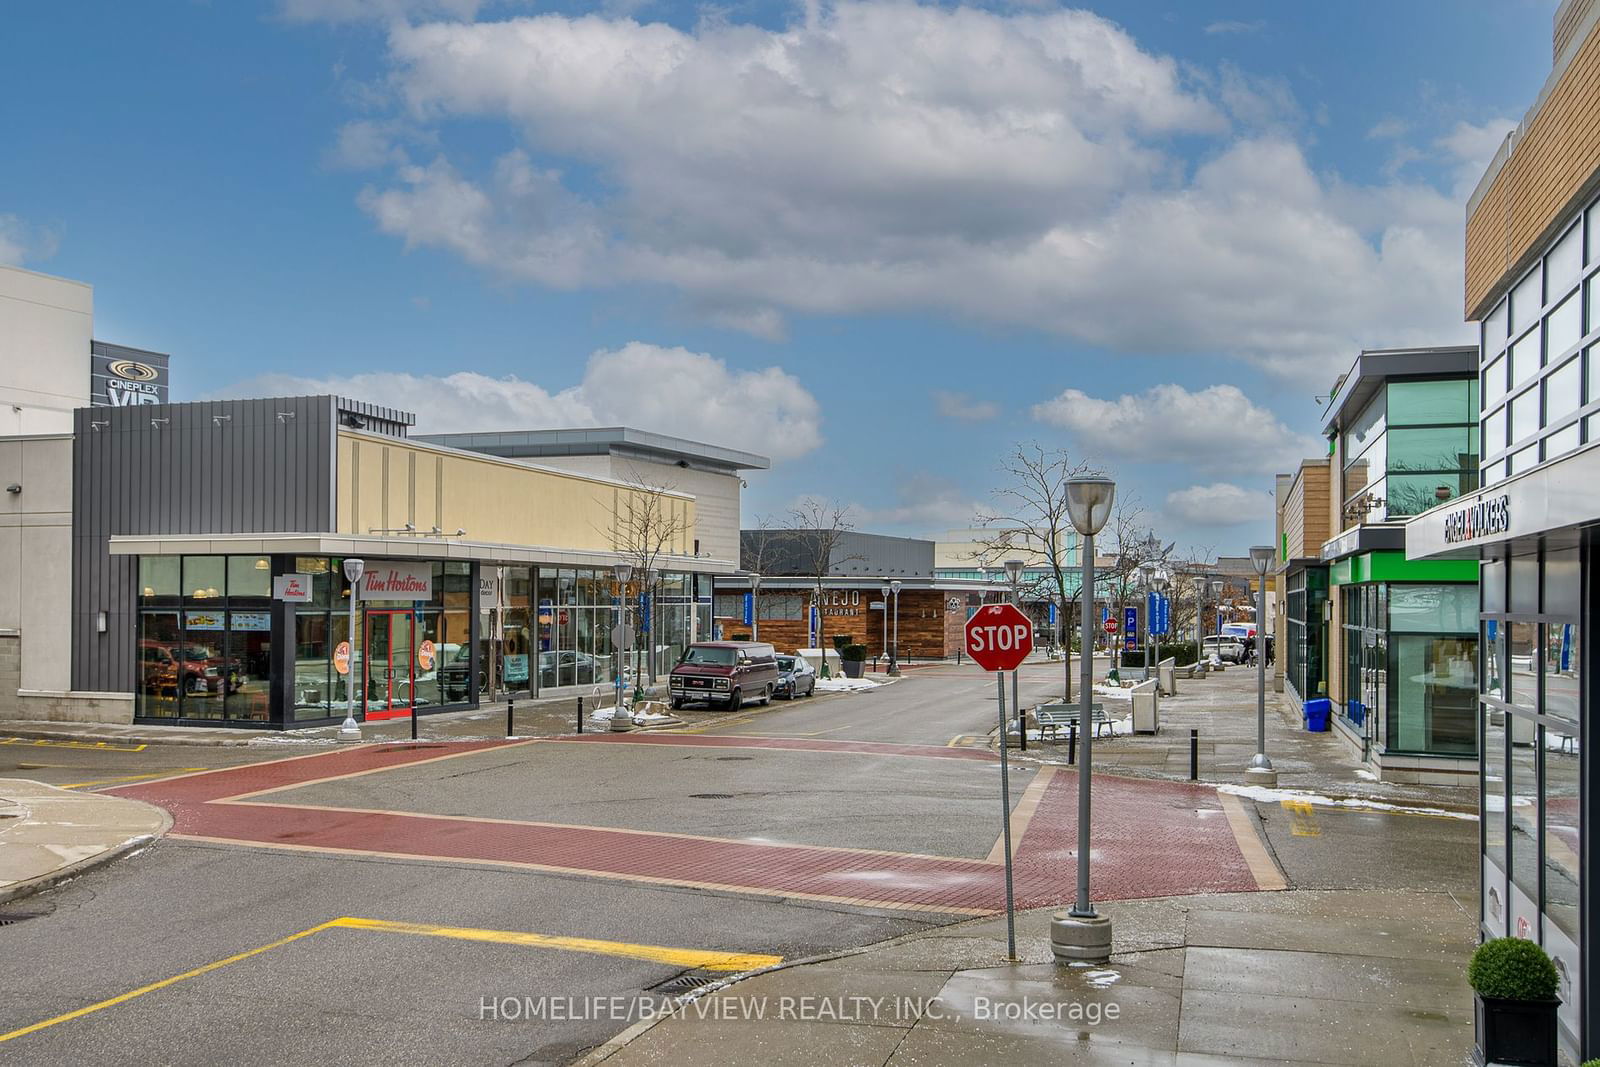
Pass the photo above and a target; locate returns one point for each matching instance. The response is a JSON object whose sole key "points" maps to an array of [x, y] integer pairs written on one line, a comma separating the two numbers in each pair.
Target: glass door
{"points": [[391, 664]]}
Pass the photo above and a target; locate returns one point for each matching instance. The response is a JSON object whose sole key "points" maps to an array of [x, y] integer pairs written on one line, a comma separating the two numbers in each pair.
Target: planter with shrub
{"points": [[853, 658], [1514, 991]]}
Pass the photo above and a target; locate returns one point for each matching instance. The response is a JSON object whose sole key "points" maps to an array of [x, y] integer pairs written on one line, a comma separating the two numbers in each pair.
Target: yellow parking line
{"points": [[129, 778], [103, 746], [675, 957], [1263, 868], [1302, 818], [153, 986]]}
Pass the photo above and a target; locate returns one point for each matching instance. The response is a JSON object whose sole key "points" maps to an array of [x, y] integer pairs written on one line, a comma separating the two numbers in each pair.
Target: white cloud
{"points": [[1228, 26], [344, 11], [961, 406], [1472, 147], [1387, 129], [1016, 168], [922, 504], [1217, 428], [667, 390], [21, 243], [1219, 504]]}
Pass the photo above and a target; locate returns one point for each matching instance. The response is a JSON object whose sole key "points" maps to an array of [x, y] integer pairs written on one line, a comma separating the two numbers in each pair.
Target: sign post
{"points": [[348, 730], [998, 638]]}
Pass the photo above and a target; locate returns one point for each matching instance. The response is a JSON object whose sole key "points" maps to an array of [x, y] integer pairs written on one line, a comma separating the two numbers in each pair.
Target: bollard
{"points": [[1194, 755], [413, 720], [511, 710], [580, 715], [1072, 743]]}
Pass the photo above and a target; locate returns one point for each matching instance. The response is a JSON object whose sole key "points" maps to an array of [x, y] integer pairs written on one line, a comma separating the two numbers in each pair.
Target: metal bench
{"points": [[1053, 718]]}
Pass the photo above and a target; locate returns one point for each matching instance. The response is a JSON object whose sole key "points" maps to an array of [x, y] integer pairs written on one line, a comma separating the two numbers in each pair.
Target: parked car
{"points": [[1225, 647], [724, 672], [796, 678]]}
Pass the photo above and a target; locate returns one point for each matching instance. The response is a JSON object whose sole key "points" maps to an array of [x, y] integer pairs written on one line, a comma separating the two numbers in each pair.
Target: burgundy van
{"points": [[725, 673]]}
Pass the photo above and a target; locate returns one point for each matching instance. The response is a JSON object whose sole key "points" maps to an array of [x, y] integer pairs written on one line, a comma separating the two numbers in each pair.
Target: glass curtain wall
{"points": [[576, 609], [1532, 722], [205, 638], [1411, 666], [1307, 600], [1412, 448]]}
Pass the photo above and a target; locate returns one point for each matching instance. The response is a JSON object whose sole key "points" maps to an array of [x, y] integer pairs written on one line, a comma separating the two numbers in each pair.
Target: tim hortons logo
{"points": [[1492, 516]]}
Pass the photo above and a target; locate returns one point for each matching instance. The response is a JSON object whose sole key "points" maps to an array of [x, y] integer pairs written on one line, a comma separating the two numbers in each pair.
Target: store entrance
{"points": [[391, 664]]}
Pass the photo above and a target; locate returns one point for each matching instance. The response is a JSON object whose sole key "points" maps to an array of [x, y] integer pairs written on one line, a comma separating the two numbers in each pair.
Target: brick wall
{"points": [[20, 704], [1554, 164]]}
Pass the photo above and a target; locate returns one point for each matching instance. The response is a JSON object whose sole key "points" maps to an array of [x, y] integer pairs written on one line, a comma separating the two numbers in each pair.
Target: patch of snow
{"points": [[1114, 691], [1272, 796], [846, 685], [1362, 772], [641, 718], [1102, 979]]}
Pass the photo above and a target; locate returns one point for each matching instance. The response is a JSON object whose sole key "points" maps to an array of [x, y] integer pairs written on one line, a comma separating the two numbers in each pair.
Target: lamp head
{"points": [[1261, 557], [755, 582], [1089, 503], [354, 569], [1014, 569], [624, 572], [1160, 581], [894, 586]]}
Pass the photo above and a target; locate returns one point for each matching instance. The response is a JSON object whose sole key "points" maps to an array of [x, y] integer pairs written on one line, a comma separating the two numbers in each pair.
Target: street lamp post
{"points": [[885, 591], [1260, 771], [755, 606], [1217, 586], [1199, 621], [1078, 934], [349, 730], [1147, 585], [647, 624], [620, 719], [894, 649], [1014, 572]]}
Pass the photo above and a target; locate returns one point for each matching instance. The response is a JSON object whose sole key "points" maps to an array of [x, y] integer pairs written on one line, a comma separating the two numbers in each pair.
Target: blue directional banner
{"points": [[1130, 628], [749, 608]]}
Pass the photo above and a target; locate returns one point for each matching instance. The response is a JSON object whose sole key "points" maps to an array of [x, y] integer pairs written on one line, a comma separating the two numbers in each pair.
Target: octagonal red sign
{"points": [[999, 637]]}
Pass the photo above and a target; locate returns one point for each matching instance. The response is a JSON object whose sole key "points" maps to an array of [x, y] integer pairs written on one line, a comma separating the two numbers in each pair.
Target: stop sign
{"points": [[1111, 626], [999, 637]]}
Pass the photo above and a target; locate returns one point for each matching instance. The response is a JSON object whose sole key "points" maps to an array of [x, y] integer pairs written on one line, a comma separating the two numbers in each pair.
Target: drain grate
{"points": [[710, 796], [12, 916], [734, 759], [684, 983]]}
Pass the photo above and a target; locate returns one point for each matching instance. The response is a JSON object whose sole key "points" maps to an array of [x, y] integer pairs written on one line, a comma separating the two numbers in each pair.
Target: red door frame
{"points": [[389, 710]]}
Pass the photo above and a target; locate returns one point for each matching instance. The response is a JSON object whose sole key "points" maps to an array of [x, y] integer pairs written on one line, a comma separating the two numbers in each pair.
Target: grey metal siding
{"points": [[221, 467]]}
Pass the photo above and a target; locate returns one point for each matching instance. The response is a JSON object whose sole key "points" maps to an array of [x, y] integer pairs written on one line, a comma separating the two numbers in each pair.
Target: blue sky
{"points": [[881, 242]]}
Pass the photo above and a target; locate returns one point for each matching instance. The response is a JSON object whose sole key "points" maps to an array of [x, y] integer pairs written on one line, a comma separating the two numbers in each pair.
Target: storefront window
{"points": [[204, 577], [313, 652], [1494, 785], [1436, 695], [158, 663], [1525, 814], [249, 576], [1563, 822], [158, 579], [1522, 649]]}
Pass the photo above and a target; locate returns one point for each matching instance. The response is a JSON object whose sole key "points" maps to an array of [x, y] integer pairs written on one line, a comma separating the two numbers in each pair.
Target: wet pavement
{"points": [[1269, 978]]}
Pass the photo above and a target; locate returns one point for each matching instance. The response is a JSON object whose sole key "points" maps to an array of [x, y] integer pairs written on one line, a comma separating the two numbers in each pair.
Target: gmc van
{"points": [[725, 673]]}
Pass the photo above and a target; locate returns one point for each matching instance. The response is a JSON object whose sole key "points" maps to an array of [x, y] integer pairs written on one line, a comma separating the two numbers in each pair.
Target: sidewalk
{"points": [[48, 835], [1254, 978], [1222, 707]]}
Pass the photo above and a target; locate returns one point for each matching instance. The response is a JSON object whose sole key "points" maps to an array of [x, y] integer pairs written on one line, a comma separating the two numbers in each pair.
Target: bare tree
{"points": [[815, 531], [650, 520], [1132, 544], [1030, 519]]}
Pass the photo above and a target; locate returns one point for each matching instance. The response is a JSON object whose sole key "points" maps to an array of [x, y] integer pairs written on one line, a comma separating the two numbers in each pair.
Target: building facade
{"points": [[1401, 635], [1533, 287], [1301, 589]]}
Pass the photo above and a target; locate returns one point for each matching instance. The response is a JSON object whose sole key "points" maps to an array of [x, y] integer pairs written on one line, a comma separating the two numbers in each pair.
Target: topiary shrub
{"points": [[839, 641], [1511, 968], [854, 653]]}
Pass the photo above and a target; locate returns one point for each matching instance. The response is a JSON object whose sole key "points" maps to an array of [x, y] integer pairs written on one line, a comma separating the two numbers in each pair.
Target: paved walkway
{"points": [[1226, 979], [48, 834], [1155, 838]]}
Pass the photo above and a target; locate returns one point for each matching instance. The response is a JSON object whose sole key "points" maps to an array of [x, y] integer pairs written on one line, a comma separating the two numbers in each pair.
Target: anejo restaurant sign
{"points": [[1484, 518], [397, 581]]}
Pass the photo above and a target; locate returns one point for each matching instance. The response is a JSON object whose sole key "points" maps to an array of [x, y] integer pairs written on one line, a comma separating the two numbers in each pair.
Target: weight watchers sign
{"points": [[121, 377], [1487, 517]]}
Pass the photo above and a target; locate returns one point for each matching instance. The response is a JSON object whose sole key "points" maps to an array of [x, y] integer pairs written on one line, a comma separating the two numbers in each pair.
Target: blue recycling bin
{"points": [[1317, 712]]}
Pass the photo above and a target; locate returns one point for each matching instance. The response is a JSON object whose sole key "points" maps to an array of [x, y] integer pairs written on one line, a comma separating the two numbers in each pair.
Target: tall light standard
{"points": [[1014, 573], [1261, 771], [1217, 586], [620, 719], [894, 649], [1199, 620], [885, 591], [348, 730], [755, 606], [1147, 585], [1078, 934], [647, 625]]}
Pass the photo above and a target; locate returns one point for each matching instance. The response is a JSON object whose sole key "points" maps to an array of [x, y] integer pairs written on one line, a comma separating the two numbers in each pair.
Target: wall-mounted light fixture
{"points": [[285, 416], [218, 420], [100, 623], [14, 488], [157, 424]]}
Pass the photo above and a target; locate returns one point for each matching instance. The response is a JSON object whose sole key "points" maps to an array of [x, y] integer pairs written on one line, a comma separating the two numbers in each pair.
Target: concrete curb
{"points": [[68, 870], [31, 733]]}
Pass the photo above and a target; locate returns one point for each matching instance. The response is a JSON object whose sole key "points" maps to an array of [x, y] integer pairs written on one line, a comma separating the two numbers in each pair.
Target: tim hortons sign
{"points": [[1489, 516], [397, 581]]}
